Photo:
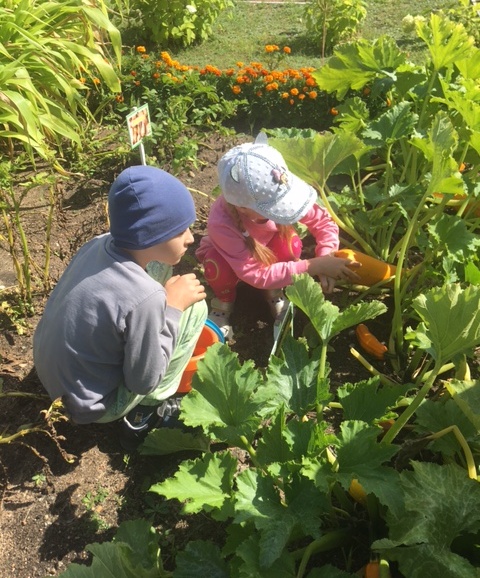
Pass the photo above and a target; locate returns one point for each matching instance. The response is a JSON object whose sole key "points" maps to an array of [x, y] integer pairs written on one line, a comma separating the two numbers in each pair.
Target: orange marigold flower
{"points": [[268, 78], [133, 73], [312, 94], [294, 91], [333, 111], [229, 72], [285, 95], [156, 75], [240, 79], [82, 80], [259, 93], [145, 56], [141, 49], [236, 89], [96, 81], [119, 98], [165, 56], [239, 64], [136, 82], [291, 101], [287, 49], [271, 86], [158, 63], [310, 81], [301, 96]]}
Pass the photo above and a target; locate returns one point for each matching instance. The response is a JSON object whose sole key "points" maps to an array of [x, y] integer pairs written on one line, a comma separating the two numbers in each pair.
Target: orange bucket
{"points": [[208, 337]]}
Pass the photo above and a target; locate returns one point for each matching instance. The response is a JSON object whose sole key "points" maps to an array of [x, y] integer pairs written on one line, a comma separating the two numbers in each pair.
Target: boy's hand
{"points": [[330, 269], [183, 291]]}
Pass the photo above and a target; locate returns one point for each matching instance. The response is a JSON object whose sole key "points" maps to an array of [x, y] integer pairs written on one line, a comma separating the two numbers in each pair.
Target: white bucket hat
{"points": [[255, 175]]}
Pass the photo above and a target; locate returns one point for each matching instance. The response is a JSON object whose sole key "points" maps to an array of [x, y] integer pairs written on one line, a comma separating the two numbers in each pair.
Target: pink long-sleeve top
{"points": [[224, 235]]}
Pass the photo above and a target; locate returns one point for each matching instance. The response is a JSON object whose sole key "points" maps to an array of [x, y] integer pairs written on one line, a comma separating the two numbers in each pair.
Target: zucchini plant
{"points": [[402, 150], [304, 483]]}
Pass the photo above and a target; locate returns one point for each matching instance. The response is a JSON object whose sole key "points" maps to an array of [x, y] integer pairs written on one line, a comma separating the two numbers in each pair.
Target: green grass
{"points": [[241, 33], [385, 17]]}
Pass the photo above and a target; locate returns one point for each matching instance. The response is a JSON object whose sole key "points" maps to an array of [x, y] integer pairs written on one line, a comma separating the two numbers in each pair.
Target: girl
{"points": [[250, 233]]}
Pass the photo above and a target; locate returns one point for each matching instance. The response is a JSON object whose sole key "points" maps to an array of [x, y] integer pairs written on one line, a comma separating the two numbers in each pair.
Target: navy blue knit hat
{"points": [[148, 206]]}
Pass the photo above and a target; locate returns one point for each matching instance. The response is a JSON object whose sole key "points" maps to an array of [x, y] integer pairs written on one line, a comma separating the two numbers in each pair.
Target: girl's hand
{"points": [[330, 269], [183, 291]]}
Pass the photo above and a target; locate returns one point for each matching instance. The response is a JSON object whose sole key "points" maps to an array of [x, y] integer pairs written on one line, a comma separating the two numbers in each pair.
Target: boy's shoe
{"points": [[220, 315], [168, 412], [140, 420], [278, 304], [135, 426]]}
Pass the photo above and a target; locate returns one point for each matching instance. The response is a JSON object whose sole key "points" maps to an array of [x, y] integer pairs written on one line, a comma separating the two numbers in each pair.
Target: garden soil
{"points": [[64, 486]]}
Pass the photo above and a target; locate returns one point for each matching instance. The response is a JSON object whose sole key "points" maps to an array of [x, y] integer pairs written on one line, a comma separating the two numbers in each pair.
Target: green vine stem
{"points": [[368, 366], [412, 408], [471, 467], [251, 450], [327, 542], [396, 338], [343, 224]]}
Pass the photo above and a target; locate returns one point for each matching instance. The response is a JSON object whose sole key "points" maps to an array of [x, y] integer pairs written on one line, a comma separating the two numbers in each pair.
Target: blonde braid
{"points": [[263, 254]]}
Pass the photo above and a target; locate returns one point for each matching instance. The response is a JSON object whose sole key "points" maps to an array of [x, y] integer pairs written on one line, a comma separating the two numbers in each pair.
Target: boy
{"points": [[113, 341]]}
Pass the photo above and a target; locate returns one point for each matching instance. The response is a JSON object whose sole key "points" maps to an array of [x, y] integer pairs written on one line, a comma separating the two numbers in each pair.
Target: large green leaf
{"points": [[275, 445], [367, 400], [470, 67], [201, 558], [450, 321], [258, 501], [433, 416], [203, 484], [466, 395], [451, 237], [134, 553], [447, 42], [326, 318], [223, 399], [463, 103], [164, 441], [293, 380], [438, 148], [313, 159], [361, 457], [307, 295], [356, 64], [250, 553], [440, 503], [398, 122]]}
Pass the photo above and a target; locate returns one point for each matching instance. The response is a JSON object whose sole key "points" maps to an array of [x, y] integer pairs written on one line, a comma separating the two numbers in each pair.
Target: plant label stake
{"points": [[139, 126]]}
